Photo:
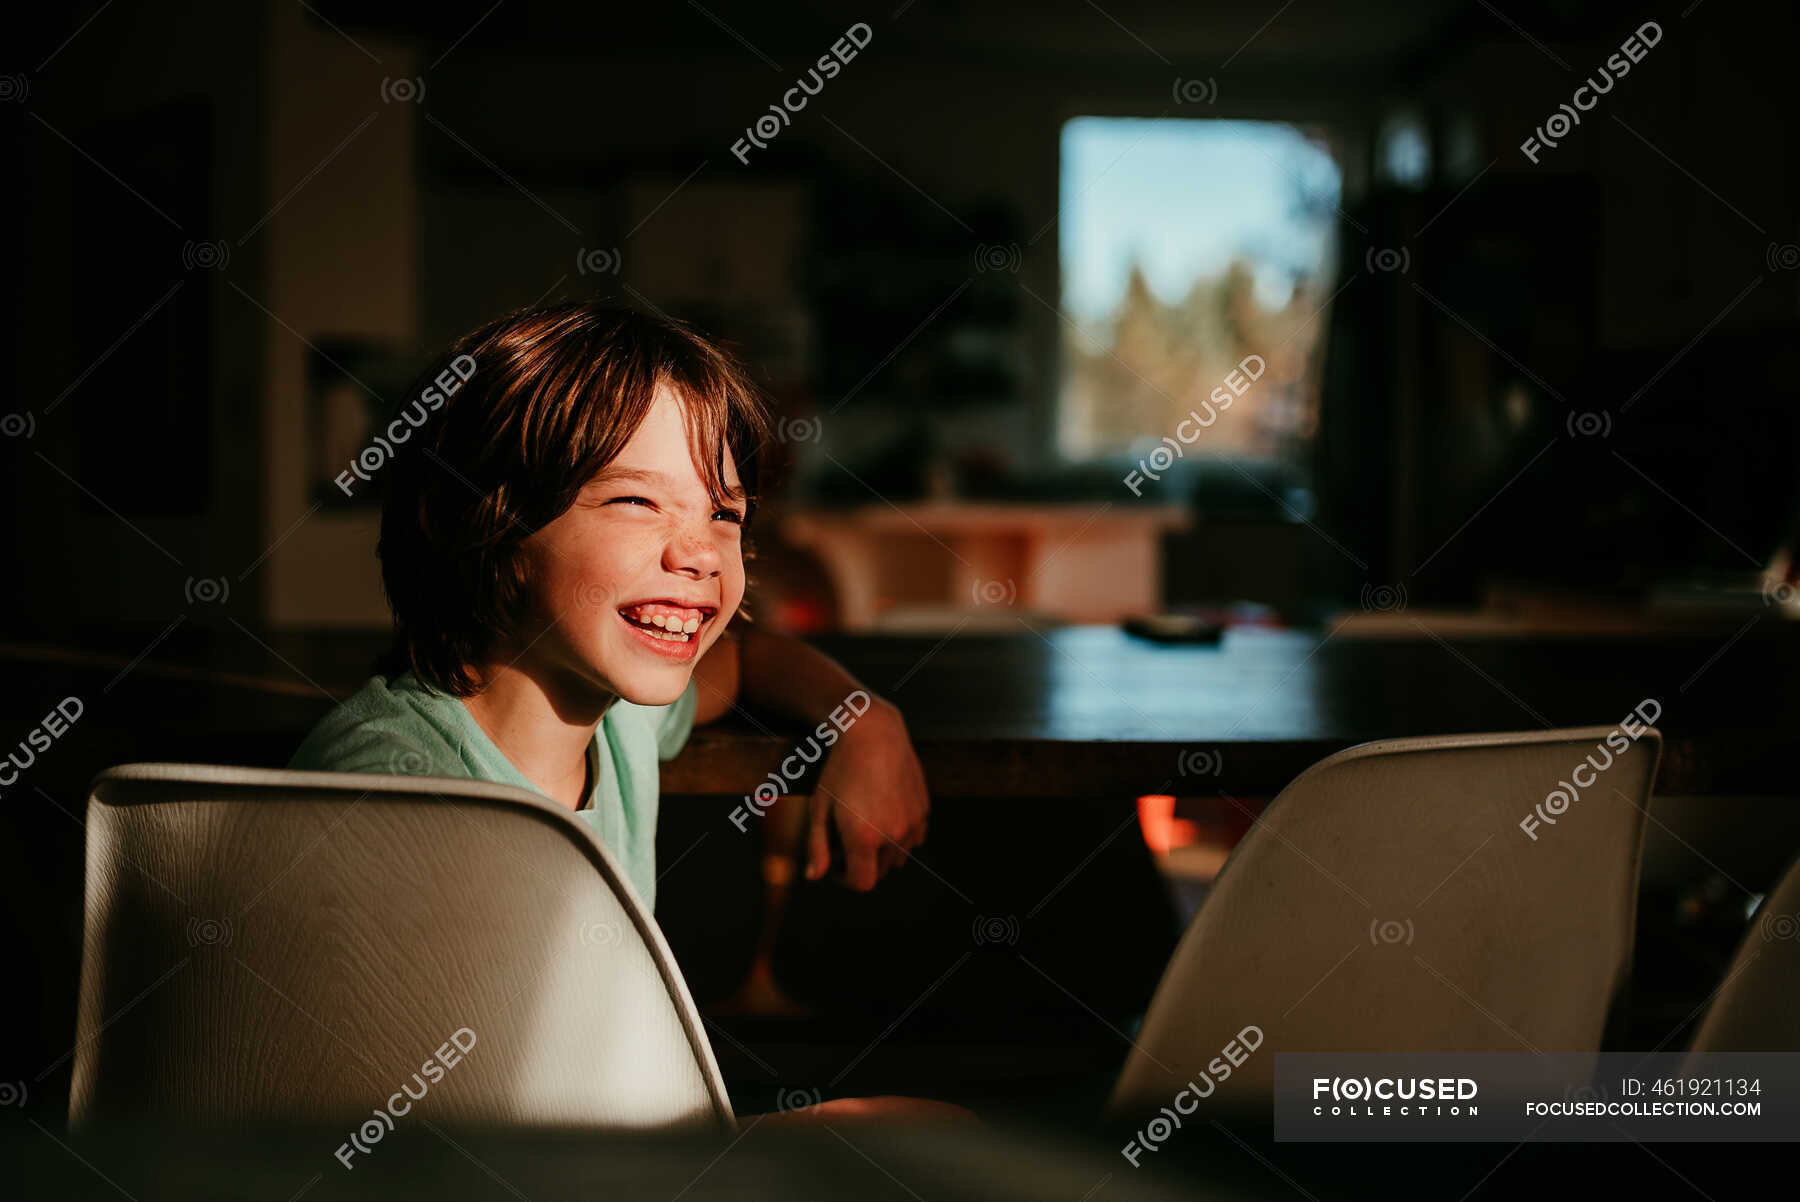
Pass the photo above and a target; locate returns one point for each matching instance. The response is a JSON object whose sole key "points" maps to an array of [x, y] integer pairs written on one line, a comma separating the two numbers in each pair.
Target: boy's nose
{"points": [[693, 554]]}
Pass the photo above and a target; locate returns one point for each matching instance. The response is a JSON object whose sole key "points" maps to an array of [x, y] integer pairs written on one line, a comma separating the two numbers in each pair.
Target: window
{"points": [[1192, 250]]}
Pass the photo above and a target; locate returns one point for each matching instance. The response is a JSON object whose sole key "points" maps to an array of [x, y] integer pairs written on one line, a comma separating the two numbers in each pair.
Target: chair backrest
{"points": [[1754, 1009], [301, 946], [1389, 899]]}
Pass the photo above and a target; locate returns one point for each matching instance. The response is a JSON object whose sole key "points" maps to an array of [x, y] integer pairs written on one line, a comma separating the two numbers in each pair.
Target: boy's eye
{"points": [[722, 515]]}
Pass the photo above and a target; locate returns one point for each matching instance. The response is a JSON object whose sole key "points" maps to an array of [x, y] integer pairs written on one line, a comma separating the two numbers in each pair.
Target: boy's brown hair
{"points": [[508, 425]]}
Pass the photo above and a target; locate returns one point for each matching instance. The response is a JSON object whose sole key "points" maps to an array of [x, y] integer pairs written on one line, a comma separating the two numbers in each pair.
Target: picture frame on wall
{"points": [[352, 384]]}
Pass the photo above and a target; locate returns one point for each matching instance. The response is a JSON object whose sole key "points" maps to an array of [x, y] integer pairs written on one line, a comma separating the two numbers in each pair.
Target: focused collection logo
{"points": [[1394, 1097]]}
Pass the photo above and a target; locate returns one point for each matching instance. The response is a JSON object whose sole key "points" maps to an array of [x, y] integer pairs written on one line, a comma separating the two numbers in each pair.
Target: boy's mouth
{"points": [[668, 620]]}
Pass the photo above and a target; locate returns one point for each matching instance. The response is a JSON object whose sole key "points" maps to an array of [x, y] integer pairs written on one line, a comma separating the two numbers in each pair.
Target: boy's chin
{"points": [[655, 688]]}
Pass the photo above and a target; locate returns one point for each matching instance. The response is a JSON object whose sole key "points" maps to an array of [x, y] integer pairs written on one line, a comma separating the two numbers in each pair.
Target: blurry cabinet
{"points": [[1077, 562]]}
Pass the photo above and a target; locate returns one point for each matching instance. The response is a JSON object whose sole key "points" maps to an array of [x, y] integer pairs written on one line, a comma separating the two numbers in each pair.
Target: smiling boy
{"points": [[562, 547]]}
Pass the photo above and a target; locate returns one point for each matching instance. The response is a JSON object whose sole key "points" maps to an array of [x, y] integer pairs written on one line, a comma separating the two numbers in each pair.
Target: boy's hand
{"points": [[873, 788]]}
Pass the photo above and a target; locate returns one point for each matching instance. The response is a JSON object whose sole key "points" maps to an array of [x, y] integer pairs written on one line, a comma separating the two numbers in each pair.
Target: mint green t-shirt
{"points": [[396, 725]]}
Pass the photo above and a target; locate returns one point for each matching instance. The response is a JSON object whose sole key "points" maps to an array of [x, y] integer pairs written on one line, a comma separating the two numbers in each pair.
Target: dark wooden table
{"points": [[1087, 711], [1075, 711]]}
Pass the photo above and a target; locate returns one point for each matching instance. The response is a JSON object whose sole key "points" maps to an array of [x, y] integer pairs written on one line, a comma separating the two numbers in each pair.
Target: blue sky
{"points": [[1184, 196]]}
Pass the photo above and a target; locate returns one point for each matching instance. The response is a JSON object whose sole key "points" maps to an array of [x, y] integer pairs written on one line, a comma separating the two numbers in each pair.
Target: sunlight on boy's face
{"points": [[642, 574]]}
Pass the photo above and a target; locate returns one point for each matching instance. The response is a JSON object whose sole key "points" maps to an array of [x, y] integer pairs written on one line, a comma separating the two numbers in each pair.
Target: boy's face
{"points": [[642, 574]]}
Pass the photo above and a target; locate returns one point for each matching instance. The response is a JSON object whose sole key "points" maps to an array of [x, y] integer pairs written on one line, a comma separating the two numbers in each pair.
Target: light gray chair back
{"points": [[304, 946], [1389, 899], [1755, 1007]]}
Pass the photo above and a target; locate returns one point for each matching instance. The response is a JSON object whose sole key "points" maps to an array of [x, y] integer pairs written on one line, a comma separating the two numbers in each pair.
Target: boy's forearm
{"points": [[786, 679]]}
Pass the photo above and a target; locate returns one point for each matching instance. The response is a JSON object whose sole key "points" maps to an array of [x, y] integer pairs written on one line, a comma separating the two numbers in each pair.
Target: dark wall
{"points": [[1637, 272]]}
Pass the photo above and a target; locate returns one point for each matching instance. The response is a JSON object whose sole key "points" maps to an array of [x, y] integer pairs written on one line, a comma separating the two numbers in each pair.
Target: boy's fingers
{"points": [[818, 842], [862, 862]]}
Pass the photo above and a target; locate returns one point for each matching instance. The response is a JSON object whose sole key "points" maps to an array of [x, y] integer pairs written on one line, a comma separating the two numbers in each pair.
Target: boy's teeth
{"points": [[672, 618], [668, 623]]}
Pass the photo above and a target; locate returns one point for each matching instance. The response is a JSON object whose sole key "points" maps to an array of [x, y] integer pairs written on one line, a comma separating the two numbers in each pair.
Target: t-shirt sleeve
{"points": [[676, 722]]}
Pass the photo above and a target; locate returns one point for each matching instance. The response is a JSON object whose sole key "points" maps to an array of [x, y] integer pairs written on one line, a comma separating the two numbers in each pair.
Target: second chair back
{"points": [[1390, 900]]}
